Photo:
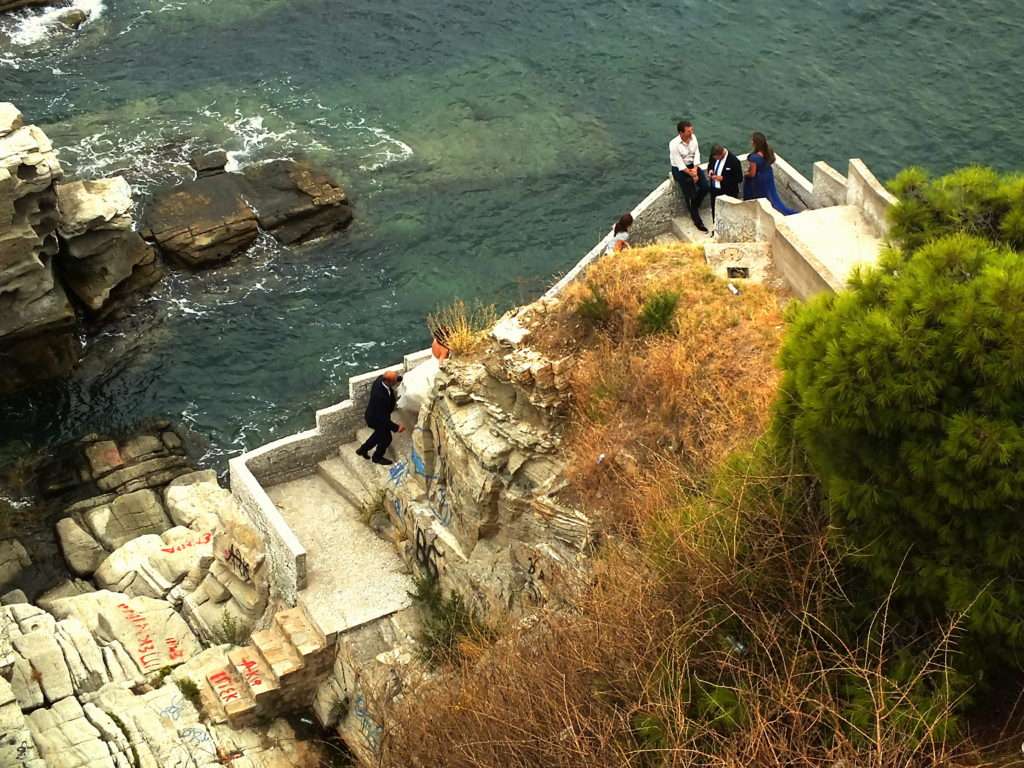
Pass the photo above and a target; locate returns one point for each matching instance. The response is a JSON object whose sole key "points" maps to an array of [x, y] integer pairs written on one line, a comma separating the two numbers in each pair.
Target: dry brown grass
{"points": [[462, 327], [711, 634], [670, 405], [708, 646]]}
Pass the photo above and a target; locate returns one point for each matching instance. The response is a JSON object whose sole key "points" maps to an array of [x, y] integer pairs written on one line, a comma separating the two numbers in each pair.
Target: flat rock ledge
{"points": [[206, 221]]}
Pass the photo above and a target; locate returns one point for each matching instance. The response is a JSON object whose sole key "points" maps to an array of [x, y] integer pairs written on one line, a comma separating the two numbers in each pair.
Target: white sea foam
{"points": [[383, 148], [34, 26], [254, 136]]}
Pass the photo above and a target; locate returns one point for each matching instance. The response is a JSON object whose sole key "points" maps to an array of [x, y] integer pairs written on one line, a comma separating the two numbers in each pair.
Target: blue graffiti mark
{"points": [[444, 507], [397, 472], [420, 466], [368, 727]]}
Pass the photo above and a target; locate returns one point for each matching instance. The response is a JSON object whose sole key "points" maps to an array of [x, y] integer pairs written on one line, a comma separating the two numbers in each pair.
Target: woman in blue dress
{"points": [[760, 179]]}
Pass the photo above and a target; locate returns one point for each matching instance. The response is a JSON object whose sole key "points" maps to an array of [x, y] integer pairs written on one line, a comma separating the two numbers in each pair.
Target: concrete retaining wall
{"points": [[829, 186], [864, 191], [757, 221], [793, 187], [295, 456]]}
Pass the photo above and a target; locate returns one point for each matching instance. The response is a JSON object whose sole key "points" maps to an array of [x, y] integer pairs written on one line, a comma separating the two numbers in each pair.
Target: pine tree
{"points": [[907, 394]]}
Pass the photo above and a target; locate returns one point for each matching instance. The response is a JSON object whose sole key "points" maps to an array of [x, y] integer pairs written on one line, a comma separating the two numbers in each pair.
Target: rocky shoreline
{"points": [[72, 255], [146, 653]]}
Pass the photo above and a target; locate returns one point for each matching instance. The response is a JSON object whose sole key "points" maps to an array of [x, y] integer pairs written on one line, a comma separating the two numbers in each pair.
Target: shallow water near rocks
{"points": [[486, 148]]}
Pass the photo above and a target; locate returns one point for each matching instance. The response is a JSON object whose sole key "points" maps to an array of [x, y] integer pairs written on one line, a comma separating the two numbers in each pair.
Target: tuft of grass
{"points": [[462, 327], [449, 624], [658, 311], [230, 630], [594, 308]]}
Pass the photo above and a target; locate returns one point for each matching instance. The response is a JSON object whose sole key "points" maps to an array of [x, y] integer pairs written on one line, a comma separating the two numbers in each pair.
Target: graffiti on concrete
{"points": [[427, 554]]}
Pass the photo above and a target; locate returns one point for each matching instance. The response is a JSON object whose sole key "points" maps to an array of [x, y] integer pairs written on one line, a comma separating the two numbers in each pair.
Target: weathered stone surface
{"points": [[66, 738], [127, 517], [89, 671], [209, 163], [10, 118], [197, 501], [152, 633], [81, 551], [73, 18], [13, 560], [101, 267], [16, 745], [202, 222], [41, 651], [62, 590], [207, 220], [103, 457], [158, 465], [141, 446], [14, 597], [101, 204], [12, 5], [295, 202], [152, 565], [37, 339]]}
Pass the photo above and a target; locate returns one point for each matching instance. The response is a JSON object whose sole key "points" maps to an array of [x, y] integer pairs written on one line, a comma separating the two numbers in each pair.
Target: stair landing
{"points": [[353, 576]]}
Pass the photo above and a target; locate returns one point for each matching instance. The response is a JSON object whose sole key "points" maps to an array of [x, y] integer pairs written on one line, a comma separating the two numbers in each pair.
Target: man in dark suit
{"points": [[383, 399], [725, 173]]}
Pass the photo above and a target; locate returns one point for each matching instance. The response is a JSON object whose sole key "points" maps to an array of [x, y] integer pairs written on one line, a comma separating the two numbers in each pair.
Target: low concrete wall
{"points": [[652, 217], [757, 221], [793, 187], [295, 456], [866, 192], [829, 186]]}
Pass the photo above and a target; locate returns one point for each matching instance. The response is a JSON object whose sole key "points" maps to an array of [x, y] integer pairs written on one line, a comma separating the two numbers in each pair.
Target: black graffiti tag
{"points": [[426, 555]]}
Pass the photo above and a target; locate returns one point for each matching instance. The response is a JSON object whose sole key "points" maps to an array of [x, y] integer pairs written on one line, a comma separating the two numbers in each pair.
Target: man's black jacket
{"points": [[732, 173], [382, 403]]}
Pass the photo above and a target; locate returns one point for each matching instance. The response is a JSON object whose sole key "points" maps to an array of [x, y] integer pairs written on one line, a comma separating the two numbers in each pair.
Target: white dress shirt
{"points": [[719, 165], [680, 153]]}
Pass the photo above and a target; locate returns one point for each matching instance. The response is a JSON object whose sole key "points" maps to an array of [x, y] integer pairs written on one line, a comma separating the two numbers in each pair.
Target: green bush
{"points": [[907, 394], [658, 311], [595, 308], [446, 622], [974, 200]]}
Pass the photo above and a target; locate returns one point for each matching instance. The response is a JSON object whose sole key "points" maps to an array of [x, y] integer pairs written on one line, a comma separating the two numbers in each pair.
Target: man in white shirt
{"points": [[684, 156]]}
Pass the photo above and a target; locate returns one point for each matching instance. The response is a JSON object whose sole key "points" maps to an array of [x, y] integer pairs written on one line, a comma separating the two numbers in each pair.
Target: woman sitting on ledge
{"points": [[760, 178], [620, 234]]}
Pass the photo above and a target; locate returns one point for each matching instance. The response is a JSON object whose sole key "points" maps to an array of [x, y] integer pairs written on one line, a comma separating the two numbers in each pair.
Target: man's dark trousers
{"points": [[693, 192], [381, 438]]}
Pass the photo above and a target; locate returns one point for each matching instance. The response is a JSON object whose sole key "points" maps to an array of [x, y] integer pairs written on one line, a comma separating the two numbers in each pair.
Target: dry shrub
{"points": [[462, 327], [669, 403], [711, 645]]}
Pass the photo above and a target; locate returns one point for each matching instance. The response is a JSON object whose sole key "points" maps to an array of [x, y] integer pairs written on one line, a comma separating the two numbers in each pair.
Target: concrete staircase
{"points": [[357, 480], [278, 671]]}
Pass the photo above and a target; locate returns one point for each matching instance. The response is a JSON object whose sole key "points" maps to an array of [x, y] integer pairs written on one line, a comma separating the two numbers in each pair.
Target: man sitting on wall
{"points": [[725, 173], [383, 399], [684, 155]]}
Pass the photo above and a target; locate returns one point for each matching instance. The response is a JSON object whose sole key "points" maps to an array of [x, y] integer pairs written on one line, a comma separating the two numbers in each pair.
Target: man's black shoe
{"points": [[364, 454], [382, 460], [700, 225]]}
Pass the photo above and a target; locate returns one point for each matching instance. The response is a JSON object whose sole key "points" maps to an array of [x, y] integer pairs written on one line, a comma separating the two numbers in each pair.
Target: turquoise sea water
{"points": [[486, 148]]}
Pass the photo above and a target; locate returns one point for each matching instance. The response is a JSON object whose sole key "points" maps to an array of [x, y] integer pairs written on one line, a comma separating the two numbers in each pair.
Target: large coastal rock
{"points": [[37, 321], [205, 221], [104, 260]]}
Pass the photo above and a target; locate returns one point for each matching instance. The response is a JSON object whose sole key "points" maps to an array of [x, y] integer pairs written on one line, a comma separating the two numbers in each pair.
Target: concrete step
{"points": [[253, 670], [683, 228], [344, 475], [278, 654], [301, 631], [401, 443], [666, 238], [232, 695]]}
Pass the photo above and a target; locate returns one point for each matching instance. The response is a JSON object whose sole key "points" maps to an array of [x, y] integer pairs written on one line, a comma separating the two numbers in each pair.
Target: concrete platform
{"points": [[354, 575], [839, 237]]}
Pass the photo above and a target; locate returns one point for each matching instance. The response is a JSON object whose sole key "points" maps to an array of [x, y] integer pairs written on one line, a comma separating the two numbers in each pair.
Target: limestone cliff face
{"points": [[37, 322], [57, 238], [476, 505]]}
